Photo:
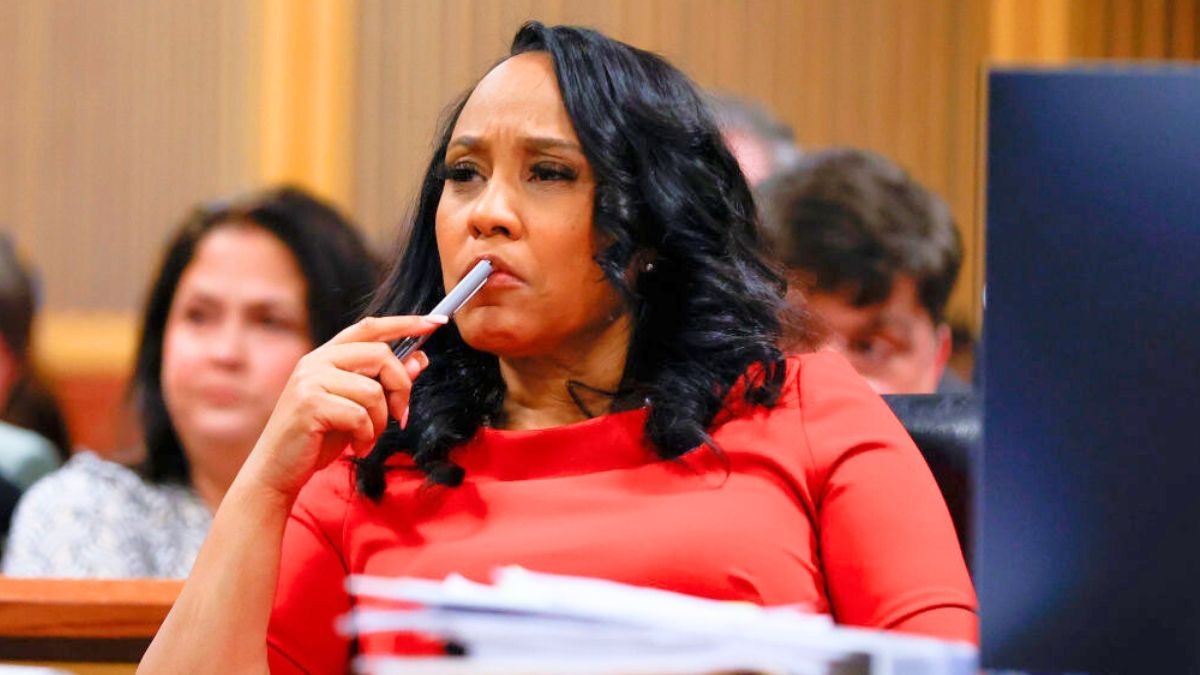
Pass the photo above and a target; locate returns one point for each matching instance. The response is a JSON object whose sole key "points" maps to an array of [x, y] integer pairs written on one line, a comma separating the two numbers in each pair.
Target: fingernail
{"points": [[439, 319], [404, 418]]}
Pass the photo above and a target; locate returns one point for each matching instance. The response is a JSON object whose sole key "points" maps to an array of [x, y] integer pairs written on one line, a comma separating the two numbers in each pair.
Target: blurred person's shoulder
{"points": [[952, 383], [25, 456], [97, 518], [88, 483]]}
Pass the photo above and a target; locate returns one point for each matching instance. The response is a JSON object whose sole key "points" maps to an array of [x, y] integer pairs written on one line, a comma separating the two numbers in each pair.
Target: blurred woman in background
{"points": [[245, 289]]}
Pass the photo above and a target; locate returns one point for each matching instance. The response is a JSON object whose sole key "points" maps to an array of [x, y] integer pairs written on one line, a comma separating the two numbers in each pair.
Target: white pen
{"points": [[454, 300]]}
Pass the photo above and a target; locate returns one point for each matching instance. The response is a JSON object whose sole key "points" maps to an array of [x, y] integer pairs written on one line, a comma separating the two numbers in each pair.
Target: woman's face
{"points": [[520, 192], [237, 326]]}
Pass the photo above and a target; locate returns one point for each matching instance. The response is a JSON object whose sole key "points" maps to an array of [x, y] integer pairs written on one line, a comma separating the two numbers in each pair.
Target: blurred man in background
{"points": [[762, 145], [25, 455], [874, 255]]}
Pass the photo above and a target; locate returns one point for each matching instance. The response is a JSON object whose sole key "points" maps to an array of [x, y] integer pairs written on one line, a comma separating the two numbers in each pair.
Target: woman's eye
{"points": [[197, 315], [277, 322], [462, 172], [549, 171]]}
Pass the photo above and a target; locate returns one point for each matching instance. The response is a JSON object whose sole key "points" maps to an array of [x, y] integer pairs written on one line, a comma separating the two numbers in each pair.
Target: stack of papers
{"points": [[528, 622]]}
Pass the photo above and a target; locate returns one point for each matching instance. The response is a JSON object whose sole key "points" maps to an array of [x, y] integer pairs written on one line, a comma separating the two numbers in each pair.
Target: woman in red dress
{"points": [[612, 403]]}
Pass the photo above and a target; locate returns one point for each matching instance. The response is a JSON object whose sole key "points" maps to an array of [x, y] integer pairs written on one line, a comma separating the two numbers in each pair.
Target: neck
{"points": [[214, 468], [538, 394]]}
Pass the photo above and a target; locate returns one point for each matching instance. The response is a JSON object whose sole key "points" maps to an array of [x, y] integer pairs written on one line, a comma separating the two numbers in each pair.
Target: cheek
{"points": [[447, 244], [441, 223], [574, 248], [924, 351], [608, 298], [570, 271], [590, 277], [180, 357], [275, 366], [181, 366]]}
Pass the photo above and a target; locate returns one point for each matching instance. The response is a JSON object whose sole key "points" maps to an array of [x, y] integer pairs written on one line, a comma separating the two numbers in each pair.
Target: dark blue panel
{"points": [[1089, 544]]}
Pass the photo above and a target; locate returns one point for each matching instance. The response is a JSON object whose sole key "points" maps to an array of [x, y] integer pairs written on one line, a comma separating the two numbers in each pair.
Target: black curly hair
{"points": [[667, 190]]}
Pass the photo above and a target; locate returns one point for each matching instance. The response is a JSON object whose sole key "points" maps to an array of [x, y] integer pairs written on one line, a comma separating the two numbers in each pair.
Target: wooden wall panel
{"points": [[1054, 31], [308, 94], [119, 115]]}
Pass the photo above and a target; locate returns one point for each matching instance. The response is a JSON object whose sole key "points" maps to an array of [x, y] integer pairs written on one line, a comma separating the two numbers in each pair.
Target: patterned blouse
{"points": [[95, 518]]}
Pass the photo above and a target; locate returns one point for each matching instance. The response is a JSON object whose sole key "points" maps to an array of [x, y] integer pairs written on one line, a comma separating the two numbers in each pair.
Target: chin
{"points": [[230, 437], [502, 346], [492, 334], [234, 429]]}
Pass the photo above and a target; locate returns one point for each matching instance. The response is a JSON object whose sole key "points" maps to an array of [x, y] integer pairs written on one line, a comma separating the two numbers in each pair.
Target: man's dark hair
{"points": [[851, 220], [668, 192], [17, 300], [30, 404], [339, 272]]}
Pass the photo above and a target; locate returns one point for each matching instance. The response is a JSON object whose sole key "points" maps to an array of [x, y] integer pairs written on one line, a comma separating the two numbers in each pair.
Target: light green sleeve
{"points": [[25, 456]]}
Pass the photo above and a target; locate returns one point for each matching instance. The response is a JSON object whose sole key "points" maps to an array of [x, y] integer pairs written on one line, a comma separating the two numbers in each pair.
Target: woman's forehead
{"points": [[521, 92]]}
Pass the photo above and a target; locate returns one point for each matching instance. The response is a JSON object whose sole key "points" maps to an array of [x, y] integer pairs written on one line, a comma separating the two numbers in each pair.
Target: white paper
{"points": [[529, 622]]}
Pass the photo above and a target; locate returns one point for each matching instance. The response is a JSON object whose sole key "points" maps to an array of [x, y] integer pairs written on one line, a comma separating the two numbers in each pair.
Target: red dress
{"points": [[822, 500]]}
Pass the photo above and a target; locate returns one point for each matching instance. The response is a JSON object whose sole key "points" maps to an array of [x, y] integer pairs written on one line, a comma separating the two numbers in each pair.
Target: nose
{"points": [[227, 346], [495, 212]]}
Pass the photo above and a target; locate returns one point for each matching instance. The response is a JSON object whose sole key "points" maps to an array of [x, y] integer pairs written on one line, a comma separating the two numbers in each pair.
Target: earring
{"points": [[649, 267]]}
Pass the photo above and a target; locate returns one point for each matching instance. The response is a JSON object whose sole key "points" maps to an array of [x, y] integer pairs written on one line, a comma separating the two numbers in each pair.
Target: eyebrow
{"points": [[534, 142], [208, 297], [886, 321]]}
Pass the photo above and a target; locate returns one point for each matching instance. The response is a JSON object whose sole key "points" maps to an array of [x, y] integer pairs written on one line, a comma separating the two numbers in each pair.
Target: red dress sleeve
{"points": [[311, 595], [887, 544]]}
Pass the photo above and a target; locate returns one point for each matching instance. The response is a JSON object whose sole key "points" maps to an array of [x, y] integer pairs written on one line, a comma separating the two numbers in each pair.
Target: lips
{"points": [[502, 273], [221, 395]]}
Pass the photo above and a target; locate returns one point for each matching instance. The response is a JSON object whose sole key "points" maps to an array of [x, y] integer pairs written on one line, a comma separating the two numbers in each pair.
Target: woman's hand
{"points": [[339, 394]]}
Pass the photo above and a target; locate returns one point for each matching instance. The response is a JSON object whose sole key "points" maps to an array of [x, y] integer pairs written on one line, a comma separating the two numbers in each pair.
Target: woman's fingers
{"points": [[364, 358], [370, 358], [340, 393], [362, 390], [415, 363], [397, 379], [376, 360], [339, 414], [388, 328]]}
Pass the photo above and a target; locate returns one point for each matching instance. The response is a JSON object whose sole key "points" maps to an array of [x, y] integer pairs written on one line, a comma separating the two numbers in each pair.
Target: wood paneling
{"points": [[308, 95], [86, 359], [118, 116], [1052, 31]]}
